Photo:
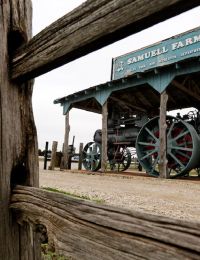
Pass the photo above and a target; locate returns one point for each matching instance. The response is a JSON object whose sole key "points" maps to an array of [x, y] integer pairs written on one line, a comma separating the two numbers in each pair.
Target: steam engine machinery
{"points": [[126, 131]]}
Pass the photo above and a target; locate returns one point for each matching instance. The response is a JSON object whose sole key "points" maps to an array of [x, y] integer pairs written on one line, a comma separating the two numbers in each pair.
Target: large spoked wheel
{"points": [[119, 158], [183, 153], [92, 156]]}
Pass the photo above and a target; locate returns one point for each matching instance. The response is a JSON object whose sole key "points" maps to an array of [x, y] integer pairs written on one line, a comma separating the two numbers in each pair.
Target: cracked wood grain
{"points": [[91, 26], [86, 230]]}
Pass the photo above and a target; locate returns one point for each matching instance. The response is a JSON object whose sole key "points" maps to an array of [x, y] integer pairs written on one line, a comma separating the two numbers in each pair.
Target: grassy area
{"points": [[95, 199], [49, 255]]}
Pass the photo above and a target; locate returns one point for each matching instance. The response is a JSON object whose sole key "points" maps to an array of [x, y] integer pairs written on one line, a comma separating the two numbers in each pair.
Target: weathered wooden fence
{"points": [[86, 230], [111, 233]]}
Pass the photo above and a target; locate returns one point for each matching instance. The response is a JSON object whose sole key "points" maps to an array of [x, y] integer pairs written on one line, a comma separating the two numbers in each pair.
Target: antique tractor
{"points": [[125, 131]]}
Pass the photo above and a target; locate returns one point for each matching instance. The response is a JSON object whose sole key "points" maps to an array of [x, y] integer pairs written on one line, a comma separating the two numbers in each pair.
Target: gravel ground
{"points": [[174, 198]]}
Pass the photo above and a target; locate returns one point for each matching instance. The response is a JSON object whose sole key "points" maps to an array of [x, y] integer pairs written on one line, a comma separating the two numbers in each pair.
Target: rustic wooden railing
{"points": [[93, 25], [87, 230], [75, 225]]}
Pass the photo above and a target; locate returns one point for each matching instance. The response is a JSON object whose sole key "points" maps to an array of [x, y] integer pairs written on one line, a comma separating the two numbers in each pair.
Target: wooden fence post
{"points": [[104, 147], [65, 158], [45, 155], [53, 155], [80, 156], [18, 138], [163, 139]]}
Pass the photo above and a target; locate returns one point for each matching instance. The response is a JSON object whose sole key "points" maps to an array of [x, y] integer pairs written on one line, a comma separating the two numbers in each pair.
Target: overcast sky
{"points": [[85, 72]]}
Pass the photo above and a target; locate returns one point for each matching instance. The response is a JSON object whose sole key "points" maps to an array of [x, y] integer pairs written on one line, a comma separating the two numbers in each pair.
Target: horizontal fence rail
{"points": [[87, 230], [94, 24]]}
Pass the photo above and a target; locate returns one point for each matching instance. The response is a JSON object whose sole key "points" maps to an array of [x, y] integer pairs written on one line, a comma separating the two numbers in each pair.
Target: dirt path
{"points": [[173, 198]]}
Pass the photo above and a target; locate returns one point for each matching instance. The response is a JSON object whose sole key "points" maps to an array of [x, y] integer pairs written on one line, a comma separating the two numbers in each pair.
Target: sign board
{"points": [[169, 51]]}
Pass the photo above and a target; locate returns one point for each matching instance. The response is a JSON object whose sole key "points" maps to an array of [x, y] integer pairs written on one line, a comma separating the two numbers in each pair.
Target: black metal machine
{"points": [[123, 130], [127, 130]]}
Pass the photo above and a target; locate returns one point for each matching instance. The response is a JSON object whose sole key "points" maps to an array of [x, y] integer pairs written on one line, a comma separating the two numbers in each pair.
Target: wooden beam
{"points": [[88, 230], [104, 148], [171, 99], [186, 90], [18, 137], [127, 105], [163, 173], [91, 26], [143, 99]]}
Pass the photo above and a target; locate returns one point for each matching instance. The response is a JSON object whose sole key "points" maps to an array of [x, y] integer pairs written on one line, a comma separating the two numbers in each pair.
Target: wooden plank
{"points": [[104, 145], [129, 105], [192, 93], [144, 100], [87, 230], [53, 155], [18, 138], [163, 173], [94, 24]]}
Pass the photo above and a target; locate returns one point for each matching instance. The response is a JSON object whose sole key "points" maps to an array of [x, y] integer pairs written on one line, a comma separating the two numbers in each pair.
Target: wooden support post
{"points": [[80, 156], [69, 165], [104, 147], [53, 155], [18, 137], [45, 155], [65, 158], [70, 153], [163, 138]]}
